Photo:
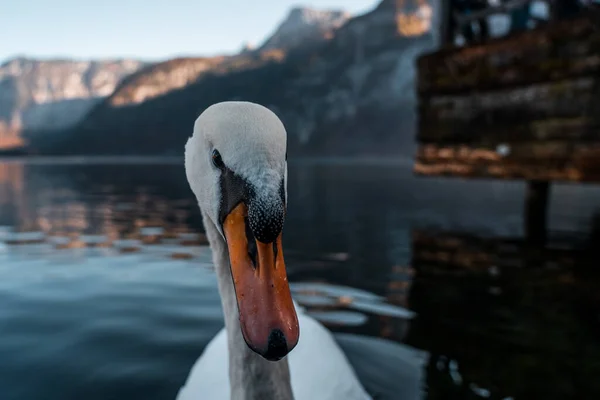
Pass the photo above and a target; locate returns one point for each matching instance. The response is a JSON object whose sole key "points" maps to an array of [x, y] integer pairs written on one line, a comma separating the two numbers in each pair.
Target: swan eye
{"points": [[216, 159]]}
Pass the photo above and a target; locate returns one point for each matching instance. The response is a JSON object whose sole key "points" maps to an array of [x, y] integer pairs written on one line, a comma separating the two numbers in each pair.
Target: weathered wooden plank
{"points": [[567, 109], [519, 152], [567, 129], [557, 99], [532, 161], [558, 51]]}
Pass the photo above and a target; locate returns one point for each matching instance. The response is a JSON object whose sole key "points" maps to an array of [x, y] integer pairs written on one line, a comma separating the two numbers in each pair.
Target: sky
{"points": [[144, 29]]}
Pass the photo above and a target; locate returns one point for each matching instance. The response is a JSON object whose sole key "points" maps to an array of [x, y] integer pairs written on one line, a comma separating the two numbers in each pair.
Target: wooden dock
{"points": [[525, 106]]}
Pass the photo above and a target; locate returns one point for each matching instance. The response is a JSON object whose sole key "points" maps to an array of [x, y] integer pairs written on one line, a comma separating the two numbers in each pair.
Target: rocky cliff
{"points": [[350, 94], [357, 94], [158, 79], [305, 26], [53, 94]]}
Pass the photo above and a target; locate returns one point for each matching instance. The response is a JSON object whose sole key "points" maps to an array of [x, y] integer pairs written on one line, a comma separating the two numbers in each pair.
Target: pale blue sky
{"points": [[148, 29]]}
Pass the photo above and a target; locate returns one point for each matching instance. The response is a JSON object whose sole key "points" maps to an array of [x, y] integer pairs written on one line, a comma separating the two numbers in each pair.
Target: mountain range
{"points": [[53, 94], [341, 85]]}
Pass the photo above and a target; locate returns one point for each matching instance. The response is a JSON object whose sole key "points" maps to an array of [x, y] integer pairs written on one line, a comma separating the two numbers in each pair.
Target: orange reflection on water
{"points": [[11, 182], [30, 204]]}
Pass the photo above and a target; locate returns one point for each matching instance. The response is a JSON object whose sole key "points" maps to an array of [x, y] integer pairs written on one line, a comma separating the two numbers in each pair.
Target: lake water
{"points": [[107, 289]]}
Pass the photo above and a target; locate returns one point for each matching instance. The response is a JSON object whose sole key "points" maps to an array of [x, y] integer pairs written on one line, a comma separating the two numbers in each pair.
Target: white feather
{"points": [[319, 369]]}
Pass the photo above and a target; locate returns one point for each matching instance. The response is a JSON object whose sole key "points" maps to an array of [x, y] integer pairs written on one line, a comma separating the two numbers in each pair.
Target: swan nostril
{"points": [[277, 347]]}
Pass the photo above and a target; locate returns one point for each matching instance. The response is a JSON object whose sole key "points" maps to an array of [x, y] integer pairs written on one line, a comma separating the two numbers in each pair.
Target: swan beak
{"points": [[267, 315]]}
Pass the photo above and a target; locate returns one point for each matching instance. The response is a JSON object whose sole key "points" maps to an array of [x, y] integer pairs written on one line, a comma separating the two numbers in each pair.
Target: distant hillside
{"points": [[351, 93], [53, 94], [107, 128], [160, 78]]}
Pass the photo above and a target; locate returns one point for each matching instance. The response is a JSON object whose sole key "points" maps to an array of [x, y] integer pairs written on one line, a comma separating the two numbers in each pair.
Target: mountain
{"points": [[357, 94], [158, 79], [350, 94], [53, 94], [109, 127], [304, 26], [301, 26]]}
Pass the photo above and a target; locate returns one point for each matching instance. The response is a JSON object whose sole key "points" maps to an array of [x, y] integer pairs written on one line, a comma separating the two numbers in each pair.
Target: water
{"points": [[110, 293]]}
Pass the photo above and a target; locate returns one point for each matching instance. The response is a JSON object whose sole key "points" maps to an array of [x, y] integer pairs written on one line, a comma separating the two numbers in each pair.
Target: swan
{"points": [[236, 166]]}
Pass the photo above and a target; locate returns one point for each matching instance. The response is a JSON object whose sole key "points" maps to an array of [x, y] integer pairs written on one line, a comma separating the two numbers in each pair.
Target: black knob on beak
{"points": [[266, 218]]}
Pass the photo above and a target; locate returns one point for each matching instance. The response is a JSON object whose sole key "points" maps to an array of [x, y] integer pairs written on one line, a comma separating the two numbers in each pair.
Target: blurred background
{"points": [[443, 166]]}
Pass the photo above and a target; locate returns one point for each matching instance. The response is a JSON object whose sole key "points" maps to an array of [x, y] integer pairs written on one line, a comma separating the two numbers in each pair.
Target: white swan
{"points": [[236, 166]]}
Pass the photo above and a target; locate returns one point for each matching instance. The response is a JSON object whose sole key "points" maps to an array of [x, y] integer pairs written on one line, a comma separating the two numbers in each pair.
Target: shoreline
{"points": [[90, 160]]}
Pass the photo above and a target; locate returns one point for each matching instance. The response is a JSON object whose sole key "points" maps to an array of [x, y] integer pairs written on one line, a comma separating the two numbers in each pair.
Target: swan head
{"points": [[236, 166]]}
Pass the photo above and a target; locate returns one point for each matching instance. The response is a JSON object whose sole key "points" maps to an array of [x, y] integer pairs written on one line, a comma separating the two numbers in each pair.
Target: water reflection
{"points": [[84, 212], [343, 306], [107, 265], [510, 319]]}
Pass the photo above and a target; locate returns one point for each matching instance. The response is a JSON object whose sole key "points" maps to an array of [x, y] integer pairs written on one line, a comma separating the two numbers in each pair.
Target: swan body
{"points": [[236, 165], [319, 369]]}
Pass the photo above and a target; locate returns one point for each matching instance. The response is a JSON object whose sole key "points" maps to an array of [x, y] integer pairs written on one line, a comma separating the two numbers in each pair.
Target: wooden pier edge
{"points": [[523, 107]]}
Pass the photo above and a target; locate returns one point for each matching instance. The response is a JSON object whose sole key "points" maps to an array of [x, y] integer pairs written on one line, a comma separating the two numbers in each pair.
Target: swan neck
{"points": [[251, 377]]}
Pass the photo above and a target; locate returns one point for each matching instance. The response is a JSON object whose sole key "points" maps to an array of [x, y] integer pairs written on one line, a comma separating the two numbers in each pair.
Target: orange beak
{"points": [[267, 315]]}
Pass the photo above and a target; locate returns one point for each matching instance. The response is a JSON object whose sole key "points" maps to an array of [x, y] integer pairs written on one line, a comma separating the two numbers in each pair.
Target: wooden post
{"points": [[536, 212], [446, 24]]}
